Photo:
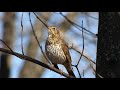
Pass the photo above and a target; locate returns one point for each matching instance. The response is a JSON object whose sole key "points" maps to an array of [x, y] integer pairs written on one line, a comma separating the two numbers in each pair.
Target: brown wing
{"points": [[66, 51]]}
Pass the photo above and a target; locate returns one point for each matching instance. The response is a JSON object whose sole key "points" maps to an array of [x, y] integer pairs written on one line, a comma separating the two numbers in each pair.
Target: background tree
{"points": [[8, 37]]}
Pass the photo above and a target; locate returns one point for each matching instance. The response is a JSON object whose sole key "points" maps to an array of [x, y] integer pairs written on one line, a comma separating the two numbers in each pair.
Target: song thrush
{"points": [[57, 50]]}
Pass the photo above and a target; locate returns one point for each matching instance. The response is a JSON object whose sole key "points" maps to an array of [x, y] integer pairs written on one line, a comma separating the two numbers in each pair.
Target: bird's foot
{"points": [[52, 65], [61, 72]]}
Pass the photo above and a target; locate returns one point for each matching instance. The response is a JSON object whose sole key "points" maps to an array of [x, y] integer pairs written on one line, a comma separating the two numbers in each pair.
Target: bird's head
{"points": [[53, 31]]}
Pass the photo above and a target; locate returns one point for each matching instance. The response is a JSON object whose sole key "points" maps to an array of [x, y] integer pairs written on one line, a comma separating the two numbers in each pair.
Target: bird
{"points": [[57, 50]]}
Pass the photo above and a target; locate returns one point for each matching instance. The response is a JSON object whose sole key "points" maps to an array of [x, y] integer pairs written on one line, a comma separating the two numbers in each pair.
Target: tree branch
{"points": [[22, 34], [35, 61], [82, 55], [78, 26], [37, 40]]}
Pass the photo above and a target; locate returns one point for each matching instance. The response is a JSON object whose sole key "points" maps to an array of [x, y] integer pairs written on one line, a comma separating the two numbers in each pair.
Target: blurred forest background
{"points": [[10, 32]]}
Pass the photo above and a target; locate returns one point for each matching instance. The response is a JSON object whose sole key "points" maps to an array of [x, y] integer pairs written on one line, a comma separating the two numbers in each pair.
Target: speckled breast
{"points": [[55, 54]]}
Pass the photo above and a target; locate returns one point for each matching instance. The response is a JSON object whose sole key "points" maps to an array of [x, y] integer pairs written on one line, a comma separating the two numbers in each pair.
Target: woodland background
{"points": [[11, 29]]}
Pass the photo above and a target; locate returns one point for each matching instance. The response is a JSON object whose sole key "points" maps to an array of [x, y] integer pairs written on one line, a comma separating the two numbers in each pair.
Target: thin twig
{"points": [[90, 16], [6, 45], [22, 34], [96, 72], [35, 61], [77, 26], [83, 55], [45, 55], [78, 71], [83, 46], [37, 39], [84, 14], [40, 19], [82, 52]]}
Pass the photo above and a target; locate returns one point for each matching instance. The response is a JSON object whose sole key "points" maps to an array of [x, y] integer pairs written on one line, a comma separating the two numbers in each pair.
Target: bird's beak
{"points": [[48, 27], [49, 30]]}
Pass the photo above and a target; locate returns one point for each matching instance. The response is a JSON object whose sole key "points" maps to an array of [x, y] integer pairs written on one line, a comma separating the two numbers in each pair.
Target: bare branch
{"points": [[96, 72], [90, 16], [33, 47], [83, 45], [45, 55], [22, 34], [83, 55], [6, 45], [77, 26], [37, 39], [40, 19], [35, 61]]}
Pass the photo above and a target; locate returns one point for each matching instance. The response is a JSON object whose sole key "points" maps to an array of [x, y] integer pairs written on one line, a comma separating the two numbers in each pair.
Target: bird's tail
{"points": [[71, 73], [69, 69]]}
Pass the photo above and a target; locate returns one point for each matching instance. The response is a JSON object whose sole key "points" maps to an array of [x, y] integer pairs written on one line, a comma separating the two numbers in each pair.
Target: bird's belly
{"points": [[55, 54]]}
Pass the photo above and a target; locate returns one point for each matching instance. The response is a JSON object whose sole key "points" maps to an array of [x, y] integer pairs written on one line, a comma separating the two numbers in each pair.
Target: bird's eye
{"points": [[54, 28]]}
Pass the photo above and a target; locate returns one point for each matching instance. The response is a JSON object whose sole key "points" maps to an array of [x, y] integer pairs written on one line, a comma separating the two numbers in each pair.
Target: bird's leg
{"points": [[56, 66], [52, 65]]}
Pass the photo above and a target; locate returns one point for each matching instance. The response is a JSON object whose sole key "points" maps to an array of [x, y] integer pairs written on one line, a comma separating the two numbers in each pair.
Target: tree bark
{"points": [[108, 50]]}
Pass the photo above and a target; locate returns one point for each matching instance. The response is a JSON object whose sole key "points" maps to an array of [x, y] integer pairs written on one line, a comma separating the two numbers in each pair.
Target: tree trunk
{"points": [[108, 50], [8, 38]]}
